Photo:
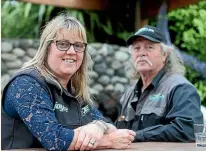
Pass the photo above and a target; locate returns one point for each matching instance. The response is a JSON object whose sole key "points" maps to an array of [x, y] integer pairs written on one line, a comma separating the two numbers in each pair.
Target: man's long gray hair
{"points": [[173, 63]]}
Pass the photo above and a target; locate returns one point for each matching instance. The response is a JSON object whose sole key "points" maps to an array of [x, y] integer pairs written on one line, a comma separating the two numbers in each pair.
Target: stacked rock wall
{"points": [[108, 80]]}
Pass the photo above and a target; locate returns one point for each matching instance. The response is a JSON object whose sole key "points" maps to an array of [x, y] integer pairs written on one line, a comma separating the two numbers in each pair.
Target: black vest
{"points": [[70, 113]]}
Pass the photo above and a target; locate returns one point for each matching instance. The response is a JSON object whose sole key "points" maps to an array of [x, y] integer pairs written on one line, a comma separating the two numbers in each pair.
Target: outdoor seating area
{"points": [[103, 75]]}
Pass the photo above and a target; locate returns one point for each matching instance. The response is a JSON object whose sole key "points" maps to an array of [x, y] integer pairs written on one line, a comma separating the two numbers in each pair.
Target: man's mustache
{"points": [[143, 59]]}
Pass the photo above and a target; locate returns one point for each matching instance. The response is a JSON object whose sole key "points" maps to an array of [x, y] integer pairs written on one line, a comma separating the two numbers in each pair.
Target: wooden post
{"points": [[144, 22], [78, 4], [137, 15]]}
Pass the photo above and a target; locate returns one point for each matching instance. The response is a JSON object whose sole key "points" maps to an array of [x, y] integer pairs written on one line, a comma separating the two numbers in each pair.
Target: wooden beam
{"points": [[174, 4], [77, 4], [150, 8]]}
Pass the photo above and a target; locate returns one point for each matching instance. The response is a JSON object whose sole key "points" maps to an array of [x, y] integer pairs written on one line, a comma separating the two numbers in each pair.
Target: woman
{"points": [[48, 102]]}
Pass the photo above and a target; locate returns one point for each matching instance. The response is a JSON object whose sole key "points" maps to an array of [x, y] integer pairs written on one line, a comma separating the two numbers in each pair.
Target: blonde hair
{"points": [[80, 79], [173, 63]]}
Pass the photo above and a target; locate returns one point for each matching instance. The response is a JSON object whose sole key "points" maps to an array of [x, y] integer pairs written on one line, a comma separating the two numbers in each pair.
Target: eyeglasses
{"points": [[64, 45]]}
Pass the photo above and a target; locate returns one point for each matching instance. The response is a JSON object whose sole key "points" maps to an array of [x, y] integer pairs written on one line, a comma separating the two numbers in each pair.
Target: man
{"points": [[163, 105]]}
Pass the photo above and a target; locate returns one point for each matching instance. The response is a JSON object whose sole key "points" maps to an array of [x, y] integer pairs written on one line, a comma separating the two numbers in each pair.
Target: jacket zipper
{"points": [[79, 111]]}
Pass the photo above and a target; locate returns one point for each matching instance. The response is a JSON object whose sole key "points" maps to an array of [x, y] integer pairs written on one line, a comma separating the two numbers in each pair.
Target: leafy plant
{"points": [[23, 20], [191, 21], [26, 20], [189, 27]]}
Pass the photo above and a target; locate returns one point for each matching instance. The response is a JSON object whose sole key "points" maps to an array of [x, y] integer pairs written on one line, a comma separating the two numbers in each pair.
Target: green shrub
{"points": [[23, 20], [189, 26]]}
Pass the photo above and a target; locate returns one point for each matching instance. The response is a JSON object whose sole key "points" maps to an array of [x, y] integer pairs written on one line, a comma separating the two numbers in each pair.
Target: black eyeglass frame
{"points": [[70, 44]]}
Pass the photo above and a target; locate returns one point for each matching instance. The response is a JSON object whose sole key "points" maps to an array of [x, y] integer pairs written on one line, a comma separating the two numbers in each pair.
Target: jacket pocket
{"points": [[157, 107]]}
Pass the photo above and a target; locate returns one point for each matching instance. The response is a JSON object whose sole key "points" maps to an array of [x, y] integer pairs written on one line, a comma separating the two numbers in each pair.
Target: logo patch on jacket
{"points": [[60, 107], [85, 110], [156, 97]]}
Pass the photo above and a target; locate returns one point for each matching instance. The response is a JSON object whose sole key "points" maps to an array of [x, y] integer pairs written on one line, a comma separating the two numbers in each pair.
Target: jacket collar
{"points": [[153, 84]]}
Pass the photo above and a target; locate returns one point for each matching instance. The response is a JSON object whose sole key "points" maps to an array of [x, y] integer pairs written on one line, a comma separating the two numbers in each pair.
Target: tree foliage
{"points": [[189, 27], [23, 20], [26, 20]]}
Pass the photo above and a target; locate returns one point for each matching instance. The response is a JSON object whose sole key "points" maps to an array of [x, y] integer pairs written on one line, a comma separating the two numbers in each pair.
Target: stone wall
{"points": [[108, 80]]}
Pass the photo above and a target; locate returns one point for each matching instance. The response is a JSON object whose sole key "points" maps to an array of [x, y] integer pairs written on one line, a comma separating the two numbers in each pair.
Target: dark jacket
{"points": [[165, 111], [15, 134]]}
